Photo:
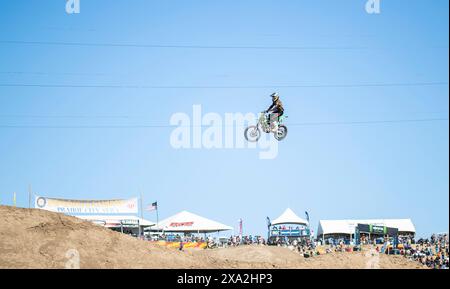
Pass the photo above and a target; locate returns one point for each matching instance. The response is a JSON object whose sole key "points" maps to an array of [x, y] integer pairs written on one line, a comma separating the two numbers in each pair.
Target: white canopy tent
{"points": [[289, 217], [186, 222], [327, 227]]}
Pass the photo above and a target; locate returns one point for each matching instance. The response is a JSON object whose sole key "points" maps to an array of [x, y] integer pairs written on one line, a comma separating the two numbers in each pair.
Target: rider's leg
{"points": [[280, 114], [270, 118], [274, 120]]}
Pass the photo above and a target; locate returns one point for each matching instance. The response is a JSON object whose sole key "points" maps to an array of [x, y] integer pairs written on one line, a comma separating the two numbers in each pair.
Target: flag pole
{"points": [[142, 211], [29, 196], [142, 216], [157, 218]]}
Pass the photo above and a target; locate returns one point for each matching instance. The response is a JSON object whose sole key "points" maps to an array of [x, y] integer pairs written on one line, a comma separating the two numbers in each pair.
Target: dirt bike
{"points": [[279, 130]]}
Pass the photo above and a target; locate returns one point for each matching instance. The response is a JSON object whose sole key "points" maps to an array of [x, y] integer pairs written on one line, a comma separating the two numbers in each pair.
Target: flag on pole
{"points": [[240, 227], [14, 199], [152, 207], [269, 223], [307, 216]]}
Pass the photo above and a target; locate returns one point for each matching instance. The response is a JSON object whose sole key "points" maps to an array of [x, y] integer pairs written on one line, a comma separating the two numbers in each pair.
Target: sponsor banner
{"points": [[116, 223], [130, 223], [74, 207], [183, 224], [378, 229], [201, 245]]}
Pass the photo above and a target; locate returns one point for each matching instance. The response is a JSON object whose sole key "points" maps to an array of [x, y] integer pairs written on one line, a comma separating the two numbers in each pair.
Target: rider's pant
{"points": [[275, 115]]}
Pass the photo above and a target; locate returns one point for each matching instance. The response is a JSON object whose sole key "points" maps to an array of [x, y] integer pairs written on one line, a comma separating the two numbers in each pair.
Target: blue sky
{"points": [[382, 170]]}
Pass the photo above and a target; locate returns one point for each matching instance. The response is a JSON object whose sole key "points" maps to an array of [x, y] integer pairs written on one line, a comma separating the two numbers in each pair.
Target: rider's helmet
{"points": [[275, 96]]}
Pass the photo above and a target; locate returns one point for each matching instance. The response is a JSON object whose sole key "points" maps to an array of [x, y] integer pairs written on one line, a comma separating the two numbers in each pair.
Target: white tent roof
{"points": [[348, 226], [289, 217], [114, 220], [189, 222]]}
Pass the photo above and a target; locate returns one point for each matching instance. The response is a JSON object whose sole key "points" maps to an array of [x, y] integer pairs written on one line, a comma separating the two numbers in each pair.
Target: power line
{"points": [[370, 122], [92, 116], [135, 45], [117, 86], [65, 116], [53, 73]]}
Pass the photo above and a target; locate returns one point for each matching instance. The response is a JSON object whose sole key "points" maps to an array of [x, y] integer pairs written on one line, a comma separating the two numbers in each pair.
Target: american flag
{"points": [[152, 207], [240, 227]]}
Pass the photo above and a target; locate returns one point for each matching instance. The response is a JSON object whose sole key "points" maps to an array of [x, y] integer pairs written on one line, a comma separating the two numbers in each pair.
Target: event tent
{"points": [[348, 227], [187, 222], [289, 217]]}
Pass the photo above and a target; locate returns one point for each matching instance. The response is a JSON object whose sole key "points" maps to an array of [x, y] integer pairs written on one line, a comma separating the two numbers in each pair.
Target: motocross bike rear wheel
{"points": [[252, 133], [281, 133]]}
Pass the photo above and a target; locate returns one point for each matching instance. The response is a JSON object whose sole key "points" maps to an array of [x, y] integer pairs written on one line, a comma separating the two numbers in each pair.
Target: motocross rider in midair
{"points": [[275, 111]]}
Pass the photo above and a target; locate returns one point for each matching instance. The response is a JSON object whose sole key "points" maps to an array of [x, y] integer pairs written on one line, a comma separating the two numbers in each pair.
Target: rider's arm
{"points": [[270, 108]]}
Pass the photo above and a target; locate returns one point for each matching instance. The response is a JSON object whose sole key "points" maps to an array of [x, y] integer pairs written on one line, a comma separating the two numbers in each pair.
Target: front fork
{"points": [[263, 124], [268, 123]]}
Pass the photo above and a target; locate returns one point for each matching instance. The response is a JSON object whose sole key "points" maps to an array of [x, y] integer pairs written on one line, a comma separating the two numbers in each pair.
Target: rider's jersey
{"points": [[278, 105]]}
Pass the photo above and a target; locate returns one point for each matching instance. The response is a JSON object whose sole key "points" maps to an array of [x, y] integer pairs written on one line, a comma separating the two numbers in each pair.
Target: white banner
{"points": [[74, 207]]}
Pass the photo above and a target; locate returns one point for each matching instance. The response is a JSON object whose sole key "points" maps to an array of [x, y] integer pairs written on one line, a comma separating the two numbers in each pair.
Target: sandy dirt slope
{"points": [[40, 239], [277, 257]]}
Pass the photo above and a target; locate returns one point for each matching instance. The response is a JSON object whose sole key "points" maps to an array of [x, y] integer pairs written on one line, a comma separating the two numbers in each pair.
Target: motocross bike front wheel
{"points": [[252, 133], [281, 133]]}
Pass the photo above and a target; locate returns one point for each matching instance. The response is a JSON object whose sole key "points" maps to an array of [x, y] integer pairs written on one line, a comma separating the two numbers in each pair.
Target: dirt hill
{"points": [[31, 238], [40, 239]]}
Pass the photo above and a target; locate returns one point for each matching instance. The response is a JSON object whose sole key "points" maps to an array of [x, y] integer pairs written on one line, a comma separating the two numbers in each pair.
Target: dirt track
{"points": [[40, 239]]}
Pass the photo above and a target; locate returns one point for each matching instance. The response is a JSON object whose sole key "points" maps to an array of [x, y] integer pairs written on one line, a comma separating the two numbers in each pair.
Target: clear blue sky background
{"points": [[387, 170]]}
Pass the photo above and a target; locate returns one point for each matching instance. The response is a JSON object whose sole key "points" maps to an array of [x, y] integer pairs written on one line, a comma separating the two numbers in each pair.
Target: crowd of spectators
{"points": [[234, 241], [432, 252], [182, 238], [213, 242]]}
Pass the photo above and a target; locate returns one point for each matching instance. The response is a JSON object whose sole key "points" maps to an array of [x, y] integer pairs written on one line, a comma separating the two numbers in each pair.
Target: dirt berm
{"points": [[31, 238]]}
